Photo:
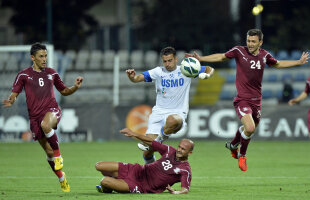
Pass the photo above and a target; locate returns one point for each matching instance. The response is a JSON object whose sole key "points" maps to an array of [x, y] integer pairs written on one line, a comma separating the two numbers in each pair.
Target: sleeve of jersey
{"points": [[231, 53], [60, 86], [152, 74], [161, 148], [19, 83], [307, 88], [270, 60], [147, 76], [202, 70], [186, 178]]}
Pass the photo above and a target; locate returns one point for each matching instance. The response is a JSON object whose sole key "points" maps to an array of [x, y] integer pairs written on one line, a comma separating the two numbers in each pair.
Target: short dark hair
{"points": [[36, 47], [167, 51], [258, 32]]}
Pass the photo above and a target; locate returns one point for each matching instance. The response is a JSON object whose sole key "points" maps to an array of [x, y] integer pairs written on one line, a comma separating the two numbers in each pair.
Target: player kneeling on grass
{"points": [[43, 110], [156, 177]]}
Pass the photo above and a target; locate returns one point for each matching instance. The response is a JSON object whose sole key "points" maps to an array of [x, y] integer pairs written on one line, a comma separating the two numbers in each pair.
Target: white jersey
{"points": [[172, 88]]}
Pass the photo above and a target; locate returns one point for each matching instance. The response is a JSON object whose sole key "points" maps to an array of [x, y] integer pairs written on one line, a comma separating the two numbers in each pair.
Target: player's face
{"points": [[170, 62], [40, 59], [253, 44], [183, 150]]}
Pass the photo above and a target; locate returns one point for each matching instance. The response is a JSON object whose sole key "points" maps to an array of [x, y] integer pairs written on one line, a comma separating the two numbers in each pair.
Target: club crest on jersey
{"points": [[264, 60], [245, 109], [176, 170], [49, 76]]}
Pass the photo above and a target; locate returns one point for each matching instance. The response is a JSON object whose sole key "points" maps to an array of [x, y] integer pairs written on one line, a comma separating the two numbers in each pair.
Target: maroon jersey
{"points": [[166, 170], [38, 89], [250, 71], [307, 88]]}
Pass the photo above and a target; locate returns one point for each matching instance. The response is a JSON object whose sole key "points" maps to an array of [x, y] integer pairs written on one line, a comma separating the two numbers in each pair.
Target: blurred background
{"points": [[100, 39]]}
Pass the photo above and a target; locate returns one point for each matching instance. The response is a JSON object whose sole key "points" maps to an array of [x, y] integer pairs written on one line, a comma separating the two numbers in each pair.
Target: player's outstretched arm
{"points": [[301, 97], [133, 77], [291, 63], [129, 133], [10, 101], [172, 191], [71, 90], [218, 57]]}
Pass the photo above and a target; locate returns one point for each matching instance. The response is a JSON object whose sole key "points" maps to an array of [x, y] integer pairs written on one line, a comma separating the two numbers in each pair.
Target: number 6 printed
{"points": [[41, 82]]}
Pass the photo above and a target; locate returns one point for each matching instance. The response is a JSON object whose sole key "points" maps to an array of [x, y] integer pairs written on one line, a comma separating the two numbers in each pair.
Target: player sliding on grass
{"points": [[156, 177], [172, 89], [43, 110], [250, 60]]}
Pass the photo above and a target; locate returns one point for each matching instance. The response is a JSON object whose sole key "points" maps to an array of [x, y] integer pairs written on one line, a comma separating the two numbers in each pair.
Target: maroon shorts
{"points": [[309, 121], [243, 107], [133, 175], [35, 124]]}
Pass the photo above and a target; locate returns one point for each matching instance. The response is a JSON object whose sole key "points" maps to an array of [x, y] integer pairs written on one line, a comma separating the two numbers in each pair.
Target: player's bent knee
{"points": [[98, 166], [250, 129], [107, 182]]}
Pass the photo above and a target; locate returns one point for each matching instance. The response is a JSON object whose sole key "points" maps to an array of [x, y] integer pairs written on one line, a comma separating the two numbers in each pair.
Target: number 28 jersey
{"points": [[250, 70], [166, 170], [38, 89]]}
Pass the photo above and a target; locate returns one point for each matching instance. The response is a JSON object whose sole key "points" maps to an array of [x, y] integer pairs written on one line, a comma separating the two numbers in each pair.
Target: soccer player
{"points": [[172, 88], [156, 177], [251, 61], [44, 113], [301, 97]]}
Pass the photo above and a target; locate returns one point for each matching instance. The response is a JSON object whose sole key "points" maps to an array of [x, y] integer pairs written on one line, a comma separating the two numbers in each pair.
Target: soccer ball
{"points": [[190, 67]]}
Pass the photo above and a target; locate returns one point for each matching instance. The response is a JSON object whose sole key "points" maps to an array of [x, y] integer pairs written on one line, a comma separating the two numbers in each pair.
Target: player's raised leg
{"points": [[233, 145], [172, 125], [48, 124], [148, 153], [249, 128], [65, 187], [109, 182], [107, 168]]}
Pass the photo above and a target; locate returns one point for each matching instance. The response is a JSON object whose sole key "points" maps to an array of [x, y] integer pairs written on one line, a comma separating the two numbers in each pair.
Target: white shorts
{"points": [[157, 120]]}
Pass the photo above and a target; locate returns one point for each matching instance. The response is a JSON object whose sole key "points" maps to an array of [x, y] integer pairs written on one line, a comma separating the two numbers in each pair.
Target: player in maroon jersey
{"points": [[155, 177], [251, 61], [43, 110], [301, 97]]}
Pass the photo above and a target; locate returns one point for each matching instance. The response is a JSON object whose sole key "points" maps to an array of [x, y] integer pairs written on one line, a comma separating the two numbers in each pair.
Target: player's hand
{"points": [[78, 81], [170, 189], [292, 102], [127, 132], [304, 58], [7, 103], [195, 55], [131, 73]]}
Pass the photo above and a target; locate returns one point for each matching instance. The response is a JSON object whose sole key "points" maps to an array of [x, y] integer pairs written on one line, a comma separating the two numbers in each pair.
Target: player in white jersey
{"points": [[172, 89]]}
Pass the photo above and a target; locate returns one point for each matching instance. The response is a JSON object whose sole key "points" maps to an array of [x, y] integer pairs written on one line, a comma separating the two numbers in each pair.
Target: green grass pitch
{"points": [[276, 170]]}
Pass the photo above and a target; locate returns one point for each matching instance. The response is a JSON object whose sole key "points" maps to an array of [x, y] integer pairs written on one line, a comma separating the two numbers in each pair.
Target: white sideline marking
{"points": [[198, 177]]}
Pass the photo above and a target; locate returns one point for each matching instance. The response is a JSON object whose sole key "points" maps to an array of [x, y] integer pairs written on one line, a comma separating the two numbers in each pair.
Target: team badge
{"points": [[49, 76]]}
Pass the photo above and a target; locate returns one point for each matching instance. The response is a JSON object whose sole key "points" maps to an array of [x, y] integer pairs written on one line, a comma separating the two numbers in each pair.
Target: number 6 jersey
{"points": [[38, 89]]}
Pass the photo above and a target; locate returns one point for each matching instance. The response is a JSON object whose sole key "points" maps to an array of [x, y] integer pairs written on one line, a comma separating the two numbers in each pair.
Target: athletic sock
{"points": [[149, 160], [52, 139], [52, 164], [236, 141], [244, 140], [162, 136]]}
